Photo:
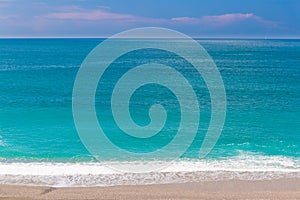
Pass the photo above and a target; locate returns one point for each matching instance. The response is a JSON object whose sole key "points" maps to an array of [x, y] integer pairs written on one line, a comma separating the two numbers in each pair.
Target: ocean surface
{"points": [[39, 144]]}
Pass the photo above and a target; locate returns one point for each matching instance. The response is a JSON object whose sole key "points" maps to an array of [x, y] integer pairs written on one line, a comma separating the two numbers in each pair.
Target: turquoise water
{"points": [[261, 77]]}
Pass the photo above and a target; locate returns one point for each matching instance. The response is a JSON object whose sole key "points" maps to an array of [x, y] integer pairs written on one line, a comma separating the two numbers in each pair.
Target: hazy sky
{"points": [[102, 18]]}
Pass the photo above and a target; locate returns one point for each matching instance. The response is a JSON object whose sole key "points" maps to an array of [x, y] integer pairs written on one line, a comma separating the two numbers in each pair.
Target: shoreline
{"points": [[285, 188], [93, 174]]}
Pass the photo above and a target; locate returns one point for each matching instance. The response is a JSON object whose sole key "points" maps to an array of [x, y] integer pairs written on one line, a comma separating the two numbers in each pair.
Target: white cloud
{"points": [[225, 19], [76, 13]]}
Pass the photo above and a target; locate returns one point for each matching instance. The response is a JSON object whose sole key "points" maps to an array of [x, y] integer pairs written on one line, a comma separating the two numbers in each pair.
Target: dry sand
{"points": [[233, 189]]}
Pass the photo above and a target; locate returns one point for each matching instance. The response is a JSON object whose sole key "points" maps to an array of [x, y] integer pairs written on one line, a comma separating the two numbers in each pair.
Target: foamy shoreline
{"points": [[92, 174]]}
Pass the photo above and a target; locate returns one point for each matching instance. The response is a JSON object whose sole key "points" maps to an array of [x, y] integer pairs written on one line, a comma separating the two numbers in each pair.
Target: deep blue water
{"points": [[261, 78]]}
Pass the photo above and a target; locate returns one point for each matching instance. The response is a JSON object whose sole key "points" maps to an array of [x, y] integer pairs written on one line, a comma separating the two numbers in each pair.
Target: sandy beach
{"points": [[233, 189]]}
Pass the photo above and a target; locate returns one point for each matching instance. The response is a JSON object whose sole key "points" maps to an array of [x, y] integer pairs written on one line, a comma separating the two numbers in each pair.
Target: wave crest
{"points": [[243, 167]]}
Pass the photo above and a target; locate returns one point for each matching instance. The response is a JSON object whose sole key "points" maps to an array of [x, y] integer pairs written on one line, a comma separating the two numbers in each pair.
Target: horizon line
{"points": [[194, 37]]}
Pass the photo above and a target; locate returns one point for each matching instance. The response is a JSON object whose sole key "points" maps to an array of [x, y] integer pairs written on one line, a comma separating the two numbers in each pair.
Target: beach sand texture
{"points": [[233, 189]]}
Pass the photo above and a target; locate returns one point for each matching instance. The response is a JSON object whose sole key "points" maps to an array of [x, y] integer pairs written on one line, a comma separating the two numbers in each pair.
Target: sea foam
{"points": [[181, 171]]}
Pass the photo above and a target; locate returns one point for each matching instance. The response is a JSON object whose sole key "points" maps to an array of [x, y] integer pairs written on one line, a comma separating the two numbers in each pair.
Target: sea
{"points": [[40, 145]]}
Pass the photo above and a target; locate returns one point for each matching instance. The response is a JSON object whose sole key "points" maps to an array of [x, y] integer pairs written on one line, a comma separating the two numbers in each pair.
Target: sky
{"points": [[196, 18]]}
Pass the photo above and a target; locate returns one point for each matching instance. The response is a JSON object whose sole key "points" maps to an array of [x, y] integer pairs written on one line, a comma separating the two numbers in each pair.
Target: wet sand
{"points": [[233, 189]]}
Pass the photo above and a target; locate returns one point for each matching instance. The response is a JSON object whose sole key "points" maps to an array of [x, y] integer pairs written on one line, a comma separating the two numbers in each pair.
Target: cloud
{"points": [[79, 14], [74, 12], [225, 19], [185, 19], [102, 14], [228, 18]]}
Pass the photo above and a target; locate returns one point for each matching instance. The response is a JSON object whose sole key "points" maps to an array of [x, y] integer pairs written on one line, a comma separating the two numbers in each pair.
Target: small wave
{"points": [[243, 167]]}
